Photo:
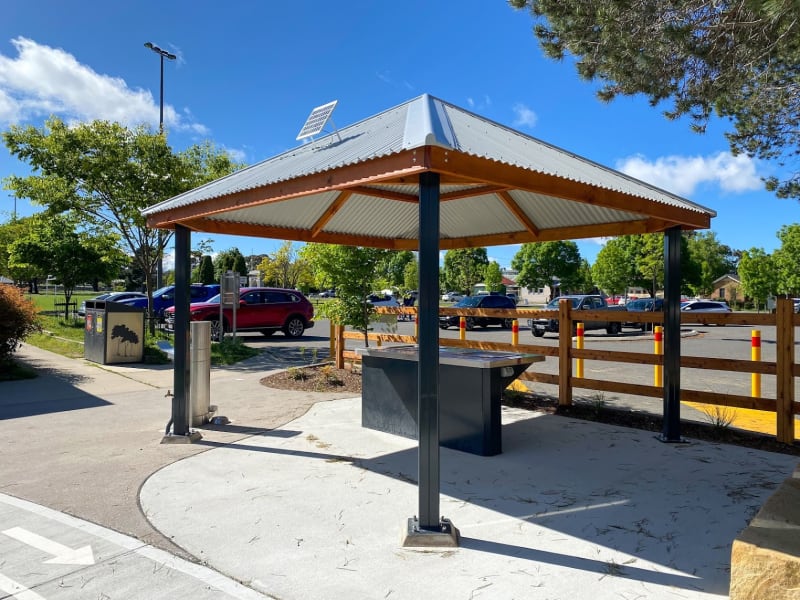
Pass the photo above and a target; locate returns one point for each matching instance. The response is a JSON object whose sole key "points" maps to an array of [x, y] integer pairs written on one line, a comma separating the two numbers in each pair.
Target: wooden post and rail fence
{"points": [[784, 367]]}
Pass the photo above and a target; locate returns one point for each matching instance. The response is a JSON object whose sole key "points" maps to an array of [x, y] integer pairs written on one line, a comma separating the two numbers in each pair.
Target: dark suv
{"points": [[260, 309], [482, 301]]}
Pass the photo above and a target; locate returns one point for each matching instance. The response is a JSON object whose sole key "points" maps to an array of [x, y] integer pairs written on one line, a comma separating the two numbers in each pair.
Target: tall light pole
{"points": [[169, 56]]}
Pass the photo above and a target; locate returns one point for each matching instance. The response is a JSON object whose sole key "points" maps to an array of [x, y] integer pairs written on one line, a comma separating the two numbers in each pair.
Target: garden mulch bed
{"points": [[327, 378]]}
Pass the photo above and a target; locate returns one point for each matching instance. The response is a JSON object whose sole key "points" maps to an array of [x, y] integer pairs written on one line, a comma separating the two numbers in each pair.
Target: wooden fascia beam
{"points": [[363, 190], [519, 213], [495, 173], [547, 235], [472, 192], [335, 206], [297, 235], [408, 163]]}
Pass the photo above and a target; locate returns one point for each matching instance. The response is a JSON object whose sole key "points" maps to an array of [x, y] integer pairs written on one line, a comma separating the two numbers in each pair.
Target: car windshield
{"points": [[212, 300], [161, 291], [469, 302], [554, 303]]}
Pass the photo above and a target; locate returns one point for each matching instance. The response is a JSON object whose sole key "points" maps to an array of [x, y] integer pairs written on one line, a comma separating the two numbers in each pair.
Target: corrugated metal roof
{"points": [[424, 122]]}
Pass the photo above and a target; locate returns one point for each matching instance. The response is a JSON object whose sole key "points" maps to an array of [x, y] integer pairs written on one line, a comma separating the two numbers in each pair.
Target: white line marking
{"points": [[226, 585], [18, 591], [62, 555]]}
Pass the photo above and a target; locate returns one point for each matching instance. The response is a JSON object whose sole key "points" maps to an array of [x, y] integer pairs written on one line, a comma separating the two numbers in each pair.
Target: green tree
{"points": [[758, 275], [787, 260], [53, 246], [736, 59], [108, 173], [411, 275], [285, 267], [10, 232], [540, 264], [493, 278], [204, 273], [584, 283], [392, 268], [711, 258], [352, 270], [463, 268], [612, 268], [229, 260]]}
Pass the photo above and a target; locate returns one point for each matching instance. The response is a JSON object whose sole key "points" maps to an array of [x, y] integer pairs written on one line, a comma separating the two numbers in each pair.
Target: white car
{"points": [[376, 300], [452, 297], [705, 306]]}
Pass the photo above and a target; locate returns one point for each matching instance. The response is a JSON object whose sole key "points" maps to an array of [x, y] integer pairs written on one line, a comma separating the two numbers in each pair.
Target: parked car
{"points": [[385, 300], [451, 297], [644, 305], [704, 306], [164, 297], [579, 302], [482, 301], [260, 309], [327, 294], [112, 297], [796, 304]]}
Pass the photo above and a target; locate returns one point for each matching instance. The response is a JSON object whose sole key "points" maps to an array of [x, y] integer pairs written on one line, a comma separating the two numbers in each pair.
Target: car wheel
{"points": [[538, 333], [507, 323], [614, 329], [294, 327], [443, 326], [267, 332], [470, 323]]}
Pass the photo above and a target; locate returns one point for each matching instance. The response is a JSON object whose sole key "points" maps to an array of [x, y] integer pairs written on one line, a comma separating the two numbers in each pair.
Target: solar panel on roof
{"points": [[317, 120]]}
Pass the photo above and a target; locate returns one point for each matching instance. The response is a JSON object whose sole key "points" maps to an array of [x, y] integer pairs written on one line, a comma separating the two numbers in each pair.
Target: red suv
{"points": [[260, 309]]}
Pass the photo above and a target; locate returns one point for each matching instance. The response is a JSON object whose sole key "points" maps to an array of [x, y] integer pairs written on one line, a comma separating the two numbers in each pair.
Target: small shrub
{"points": [[296, 374], [330, 375], [720, 417], [18, 319]]}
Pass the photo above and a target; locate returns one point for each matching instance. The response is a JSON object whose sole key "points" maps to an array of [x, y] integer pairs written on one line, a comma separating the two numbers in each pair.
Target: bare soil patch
{"points": [[327, 378]]}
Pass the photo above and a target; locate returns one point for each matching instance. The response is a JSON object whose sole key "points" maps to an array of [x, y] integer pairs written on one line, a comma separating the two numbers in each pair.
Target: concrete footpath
{"points": [[294, 499]]}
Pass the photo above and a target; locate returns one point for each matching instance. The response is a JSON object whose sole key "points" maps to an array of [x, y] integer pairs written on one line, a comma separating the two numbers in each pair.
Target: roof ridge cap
{"points": [[427, 124]]}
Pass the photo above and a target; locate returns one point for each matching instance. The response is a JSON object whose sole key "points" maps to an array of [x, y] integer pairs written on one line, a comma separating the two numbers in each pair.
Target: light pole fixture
{"points": [[169, 56]]}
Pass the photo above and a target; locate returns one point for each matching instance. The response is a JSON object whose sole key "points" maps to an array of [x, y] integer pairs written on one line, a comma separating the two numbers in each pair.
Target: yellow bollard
{"points": [[755, 355], [514, 332], [579, 329], [658, 348], [462, 328]]}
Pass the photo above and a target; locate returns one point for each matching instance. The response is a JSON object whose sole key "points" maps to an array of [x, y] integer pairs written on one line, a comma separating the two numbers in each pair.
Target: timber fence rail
{"points": [[784, 367]]}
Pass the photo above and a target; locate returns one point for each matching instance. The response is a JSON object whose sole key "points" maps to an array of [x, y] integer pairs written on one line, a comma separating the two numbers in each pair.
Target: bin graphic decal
{"points": [[125, 341]]}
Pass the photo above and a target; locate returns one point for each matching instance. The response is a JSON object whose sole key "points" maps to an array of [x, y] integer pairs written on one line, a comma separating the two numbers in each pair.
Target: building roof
{"points": [[360, 186]]}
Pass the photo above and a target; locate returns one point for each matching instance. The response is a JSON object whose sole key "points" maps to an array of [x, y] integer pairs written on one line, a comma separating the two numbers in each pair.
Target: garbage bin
{"points": [[114, 333], [200, 373]]}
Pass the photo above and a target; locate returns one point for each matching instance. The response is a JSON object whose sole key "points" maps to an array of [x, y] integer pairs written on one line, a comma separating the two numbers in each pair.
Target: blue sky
{"points": [[249, 72]]}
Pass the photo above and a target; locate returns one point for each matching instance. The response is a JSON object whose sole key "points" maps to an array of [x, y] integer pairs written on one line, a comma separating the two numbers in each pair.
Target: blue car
{"points": [[164, 297]]}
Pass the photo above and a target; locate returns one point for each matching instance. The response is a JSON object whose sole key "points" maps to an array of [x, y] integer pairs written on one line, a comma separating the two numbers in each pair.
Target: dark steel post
{"points": [[160, 263], [180, 401], [428, 373], [672, 336]]}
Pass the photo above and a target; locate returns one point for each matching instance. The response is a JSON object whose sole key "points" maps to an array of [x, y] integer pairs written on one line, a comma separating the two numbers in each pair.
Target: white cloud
{"points": [[525, 117], [683, 174], [42, 81]]}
